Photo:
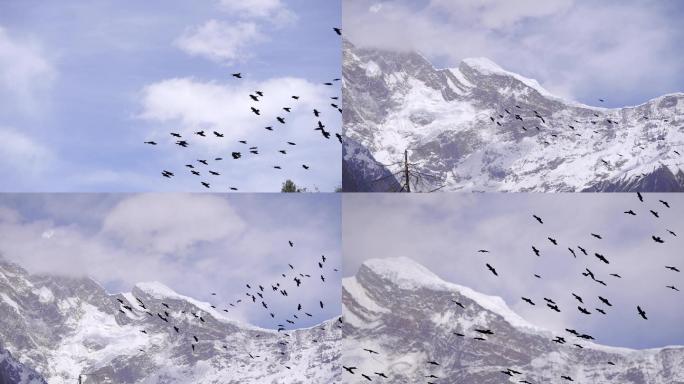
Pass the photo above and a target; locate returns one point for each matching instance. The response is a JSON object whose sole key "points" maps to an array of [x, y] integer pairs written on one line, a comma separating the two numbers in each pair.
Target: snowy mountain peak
{"points": [[158, 290], [405, 273], [484, 65], [487, 67]]}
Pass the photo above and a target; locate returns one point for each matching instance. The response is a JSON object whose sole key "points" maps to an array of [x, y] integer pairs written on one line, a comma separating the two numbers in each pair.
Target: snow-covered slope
{"points": [[13, 372], [456, 125], [65, 327], [408, 315]]}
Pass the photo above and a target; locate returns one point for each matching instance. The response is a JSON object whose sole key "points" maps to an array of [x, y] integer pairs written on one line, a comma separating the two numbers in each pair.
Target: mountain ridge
{"points": [[62, 327], [409, 325]]}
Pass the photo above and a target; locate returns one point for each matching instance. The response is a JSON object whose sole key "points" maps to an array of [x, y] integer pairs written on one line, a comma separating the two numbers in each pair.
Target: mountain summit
{"points": [[478, 127], [409, 317]]}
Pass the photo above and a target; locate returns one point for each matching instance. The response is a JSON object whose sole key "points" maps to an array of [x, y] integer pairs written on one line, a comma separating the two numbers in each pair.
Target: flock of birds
{"points": [[535, 121], [208, 167], [586, 306], [186, 323]]}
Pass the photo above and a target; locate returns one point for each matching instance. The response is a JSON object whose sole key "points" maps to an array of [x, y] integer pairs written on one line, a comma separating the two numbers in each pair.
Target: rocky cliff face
{"points": [[13, 372], [409, 316], [478, 127], [66, 327]]}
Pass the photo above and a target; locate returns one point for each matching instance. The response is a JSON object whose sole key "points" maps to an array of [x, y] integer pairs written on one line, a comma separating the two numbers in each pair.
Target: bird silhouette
{"points": [[642, 313], [601, 257], [492, 269]]}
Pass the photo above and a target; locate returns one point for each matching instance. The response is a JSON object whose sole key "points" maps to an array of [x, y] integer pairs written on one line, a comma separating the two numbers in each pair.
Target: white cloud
{"points": [[172, 223], [375, 8], [226, 107], [22, 154], [186, 105], [274, 10], [497, 14], [221, 41], [25, 71]]}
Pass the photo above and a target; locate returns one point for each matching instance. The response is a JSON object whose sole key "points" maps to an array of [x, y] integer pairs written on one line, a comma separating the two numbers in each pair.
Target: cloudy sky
{"points": [[84, 84], [195, 243], [444, 233], [624, 51]]}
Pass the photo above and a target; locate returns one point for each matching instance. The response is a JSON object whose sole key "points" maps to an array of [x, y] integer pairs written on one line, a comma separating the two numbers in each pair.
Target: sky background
{"points": [[624, 51], [195, 244], [84, 84], [444, 232]]}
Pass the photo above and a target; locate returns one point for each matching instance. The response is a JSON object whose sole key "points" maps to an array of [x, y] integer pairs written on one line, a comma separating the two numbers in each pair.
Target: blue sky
{"points": [[624, 51], [195, 244], [444, 232], [84, 84]]}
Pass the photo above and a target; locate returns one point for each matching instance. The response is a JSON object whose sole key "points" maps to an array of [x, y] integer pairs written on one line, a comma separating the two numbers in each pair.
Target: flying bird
{"points": [[642, 313], [529, 301]]}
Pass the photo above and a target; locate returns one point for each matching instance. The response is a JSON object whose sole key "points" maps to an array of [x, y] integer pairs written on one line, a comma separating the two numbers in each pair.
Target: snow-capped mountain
{"points": [[64, 327], [409, 316], [461, 129]]}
